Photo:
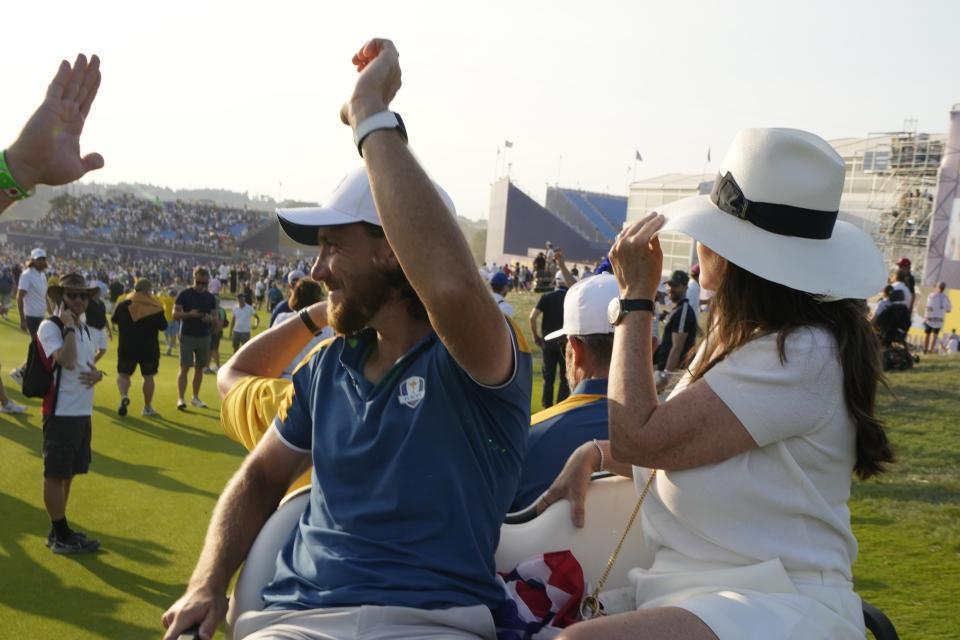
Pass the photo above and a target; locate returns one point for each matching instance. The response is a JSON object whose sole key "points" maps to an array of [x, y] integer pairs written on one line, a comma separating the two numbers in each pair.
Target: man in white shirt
{"points": [[67, 408], [938, 306], [900, 284], [244, 318], [31, 300]]}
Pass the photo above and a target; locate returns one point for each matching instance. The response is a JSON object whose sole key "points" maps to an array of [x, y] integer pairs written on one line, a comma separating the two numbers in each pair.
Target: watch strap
{"points": [[10, 187], [308, 321], [381, 120], [636, 304]]}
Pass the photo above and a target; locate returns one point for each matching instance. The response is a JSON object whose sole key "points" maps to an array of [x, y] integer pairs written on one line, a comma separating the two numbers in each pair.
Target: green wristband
{"points": [[8, 184]]}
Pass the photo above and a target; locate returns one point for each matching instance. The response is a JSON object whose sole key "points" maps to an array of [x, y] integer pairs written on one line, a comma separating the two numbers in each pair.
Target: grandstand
{"points": [[582, 223], [126, 220]]}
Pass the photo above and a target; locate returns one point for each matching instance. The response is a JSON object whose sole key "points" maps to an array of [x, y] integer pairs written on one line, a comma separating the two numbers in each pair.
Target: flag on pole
{"points": [[637, 156], [508, 144]]}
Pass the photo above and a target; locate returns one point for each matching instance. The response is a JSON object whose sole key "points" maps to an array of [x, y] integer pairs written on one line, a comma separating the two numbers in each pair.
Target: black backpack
{"points": [[37, 374]]}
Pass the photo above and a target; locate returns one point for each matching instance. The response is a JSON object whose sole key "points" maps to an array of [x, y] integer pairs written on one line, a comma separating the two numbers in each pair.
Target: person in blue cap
{"points": [[500, 286]]}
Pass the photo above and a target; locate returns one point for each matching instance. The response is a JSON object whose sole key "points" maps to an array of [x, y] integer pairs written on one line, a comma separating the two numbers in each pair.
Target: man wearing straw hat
{"points": [[67, 407]]}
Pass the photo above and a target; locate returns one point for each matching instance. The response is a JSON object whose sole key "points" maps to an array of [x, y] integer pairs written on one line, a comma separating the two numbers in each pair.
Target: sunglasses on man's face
{"points": [[76, 295], [201, 283]]}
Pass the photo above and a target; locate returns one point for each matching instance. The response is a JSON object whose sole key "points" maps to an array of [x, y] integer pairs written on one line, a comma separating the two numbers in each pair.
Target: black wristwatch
{"points": [[67, 330], [619, 307]]}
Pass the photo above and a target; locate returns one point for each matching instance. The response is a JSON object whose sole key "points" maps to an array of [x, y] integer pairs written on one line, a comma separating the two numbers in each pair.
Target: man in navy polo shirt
{"points": [[196, 310], [582, 417], [412, 420]]}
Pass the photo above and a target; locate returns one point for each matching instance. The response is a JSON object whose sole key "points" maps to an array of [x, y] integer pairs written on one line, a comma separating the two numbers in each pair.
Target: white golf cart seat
{"points": [[523, 534], [610, 504]]}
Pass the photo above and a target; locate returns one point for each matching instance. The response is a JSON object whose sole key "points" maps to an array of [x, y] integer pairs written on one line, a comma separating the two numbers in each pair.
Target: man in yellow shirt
{"points": [[167, 299]]}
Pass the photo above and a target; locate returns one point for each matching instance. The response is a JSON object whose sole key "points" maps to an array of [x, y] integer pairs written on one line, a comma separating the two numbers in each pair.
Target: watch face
{"points": [[613, 312]]}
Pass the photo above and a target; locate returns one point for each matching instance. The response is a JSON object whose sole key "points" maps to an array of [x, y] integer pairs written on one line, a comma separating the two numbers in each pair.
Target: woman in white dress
{"points": [[756, 446]]}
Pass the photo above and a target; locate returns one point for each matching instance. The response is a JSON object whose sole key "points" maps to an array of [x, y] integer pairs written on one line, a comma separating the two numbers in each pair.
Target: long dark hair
{"points": [[746, 306]]}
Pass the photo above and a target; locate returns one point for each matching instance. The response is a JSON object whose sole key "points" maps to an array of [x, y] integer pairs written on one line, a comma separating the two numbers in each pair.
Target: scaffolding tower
{"points": [[907, 165]]}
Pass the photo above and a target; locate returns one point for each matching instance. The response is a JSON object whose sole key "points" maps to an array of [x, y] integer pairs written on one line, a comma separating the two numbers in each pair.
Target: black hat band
{"points": [[782, 219]]}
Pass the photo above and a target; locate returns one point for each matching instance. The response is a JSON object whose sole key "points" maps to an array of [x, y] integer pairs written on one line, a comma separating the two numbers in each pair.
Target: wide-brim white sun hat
{"points": [[350, 202], [773, 211]]}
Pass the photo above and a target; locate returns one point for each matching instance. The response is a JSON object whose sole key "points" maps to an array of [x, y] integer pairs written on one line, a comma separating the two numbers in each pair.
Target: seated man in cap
{"points": [[901, 282], [582, 417], [905, 276], [412, 420], [679, 334]]}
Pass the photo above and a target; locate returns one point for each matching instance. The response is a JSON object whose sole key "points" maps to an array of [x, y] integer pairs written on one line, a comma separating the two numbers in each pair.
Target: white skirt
{"points": [[761, 601]]}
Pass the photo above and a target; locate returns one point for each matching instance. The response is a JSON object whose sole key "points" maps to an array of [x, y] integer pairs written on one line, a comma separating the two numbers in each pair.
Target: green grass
{"points": [[153, 483]]}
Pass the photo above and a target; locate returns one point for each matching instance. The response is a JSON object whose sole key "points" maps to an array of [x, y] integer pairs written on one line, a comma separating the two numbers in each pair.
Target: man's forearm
{"points": [[268, 354], [67, 355], [676, 351], [240, 513]]}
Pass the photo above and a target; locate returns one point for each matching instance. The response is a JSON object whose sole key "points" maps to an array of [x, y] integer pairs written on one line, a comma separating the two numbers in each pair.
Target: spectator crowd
{"points": [[125, 219]]}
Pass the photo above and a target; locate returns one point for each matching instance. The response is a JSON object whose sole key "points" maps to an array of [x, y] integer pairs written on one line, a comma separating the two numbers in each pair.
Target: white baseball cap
{"points": [[350, 202], [295, 275], [585, 307], [37, 254]]}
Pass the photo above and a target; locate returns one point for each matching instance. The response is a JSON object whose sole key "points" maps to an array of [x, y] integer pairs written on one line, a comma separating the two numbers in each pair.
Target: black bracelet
{"points": [[311, 325]]}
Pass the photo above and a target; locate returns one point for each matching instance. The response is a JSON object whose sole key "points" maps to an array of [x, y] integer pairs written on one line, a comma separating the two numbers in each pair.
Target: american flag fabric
{"points": [[543, 596]]}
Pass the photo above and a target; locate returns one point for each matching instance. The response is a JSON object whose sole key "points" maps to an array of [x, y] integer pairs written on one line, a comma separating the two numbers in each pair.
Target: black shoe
{"points": [[122, 409], [52, 537], [74, 544]]}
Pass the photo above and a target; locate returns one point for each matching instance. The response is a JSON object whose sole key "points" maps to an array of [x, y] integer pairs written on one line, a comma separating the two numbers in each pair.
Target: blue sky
{"points": [[245, 96]]}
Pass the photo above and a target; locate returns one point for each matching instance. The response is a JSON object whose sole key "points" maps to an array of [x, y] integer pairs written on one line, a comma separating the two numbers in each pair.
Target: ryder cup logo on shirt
{"points": [[412, 391]]}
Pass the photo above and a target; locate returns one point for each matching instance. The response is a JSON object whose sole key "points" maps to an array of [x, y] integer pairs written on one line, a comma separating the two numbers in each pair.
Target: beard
{"points": [[568, 360], [362, 298]]}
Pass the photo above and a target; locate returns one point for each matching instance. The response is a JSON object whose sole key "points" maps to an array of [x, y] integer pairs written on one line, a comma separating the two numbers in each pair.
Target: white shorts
{"points": [[99, 338], [759, 601], [368, 622]]}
